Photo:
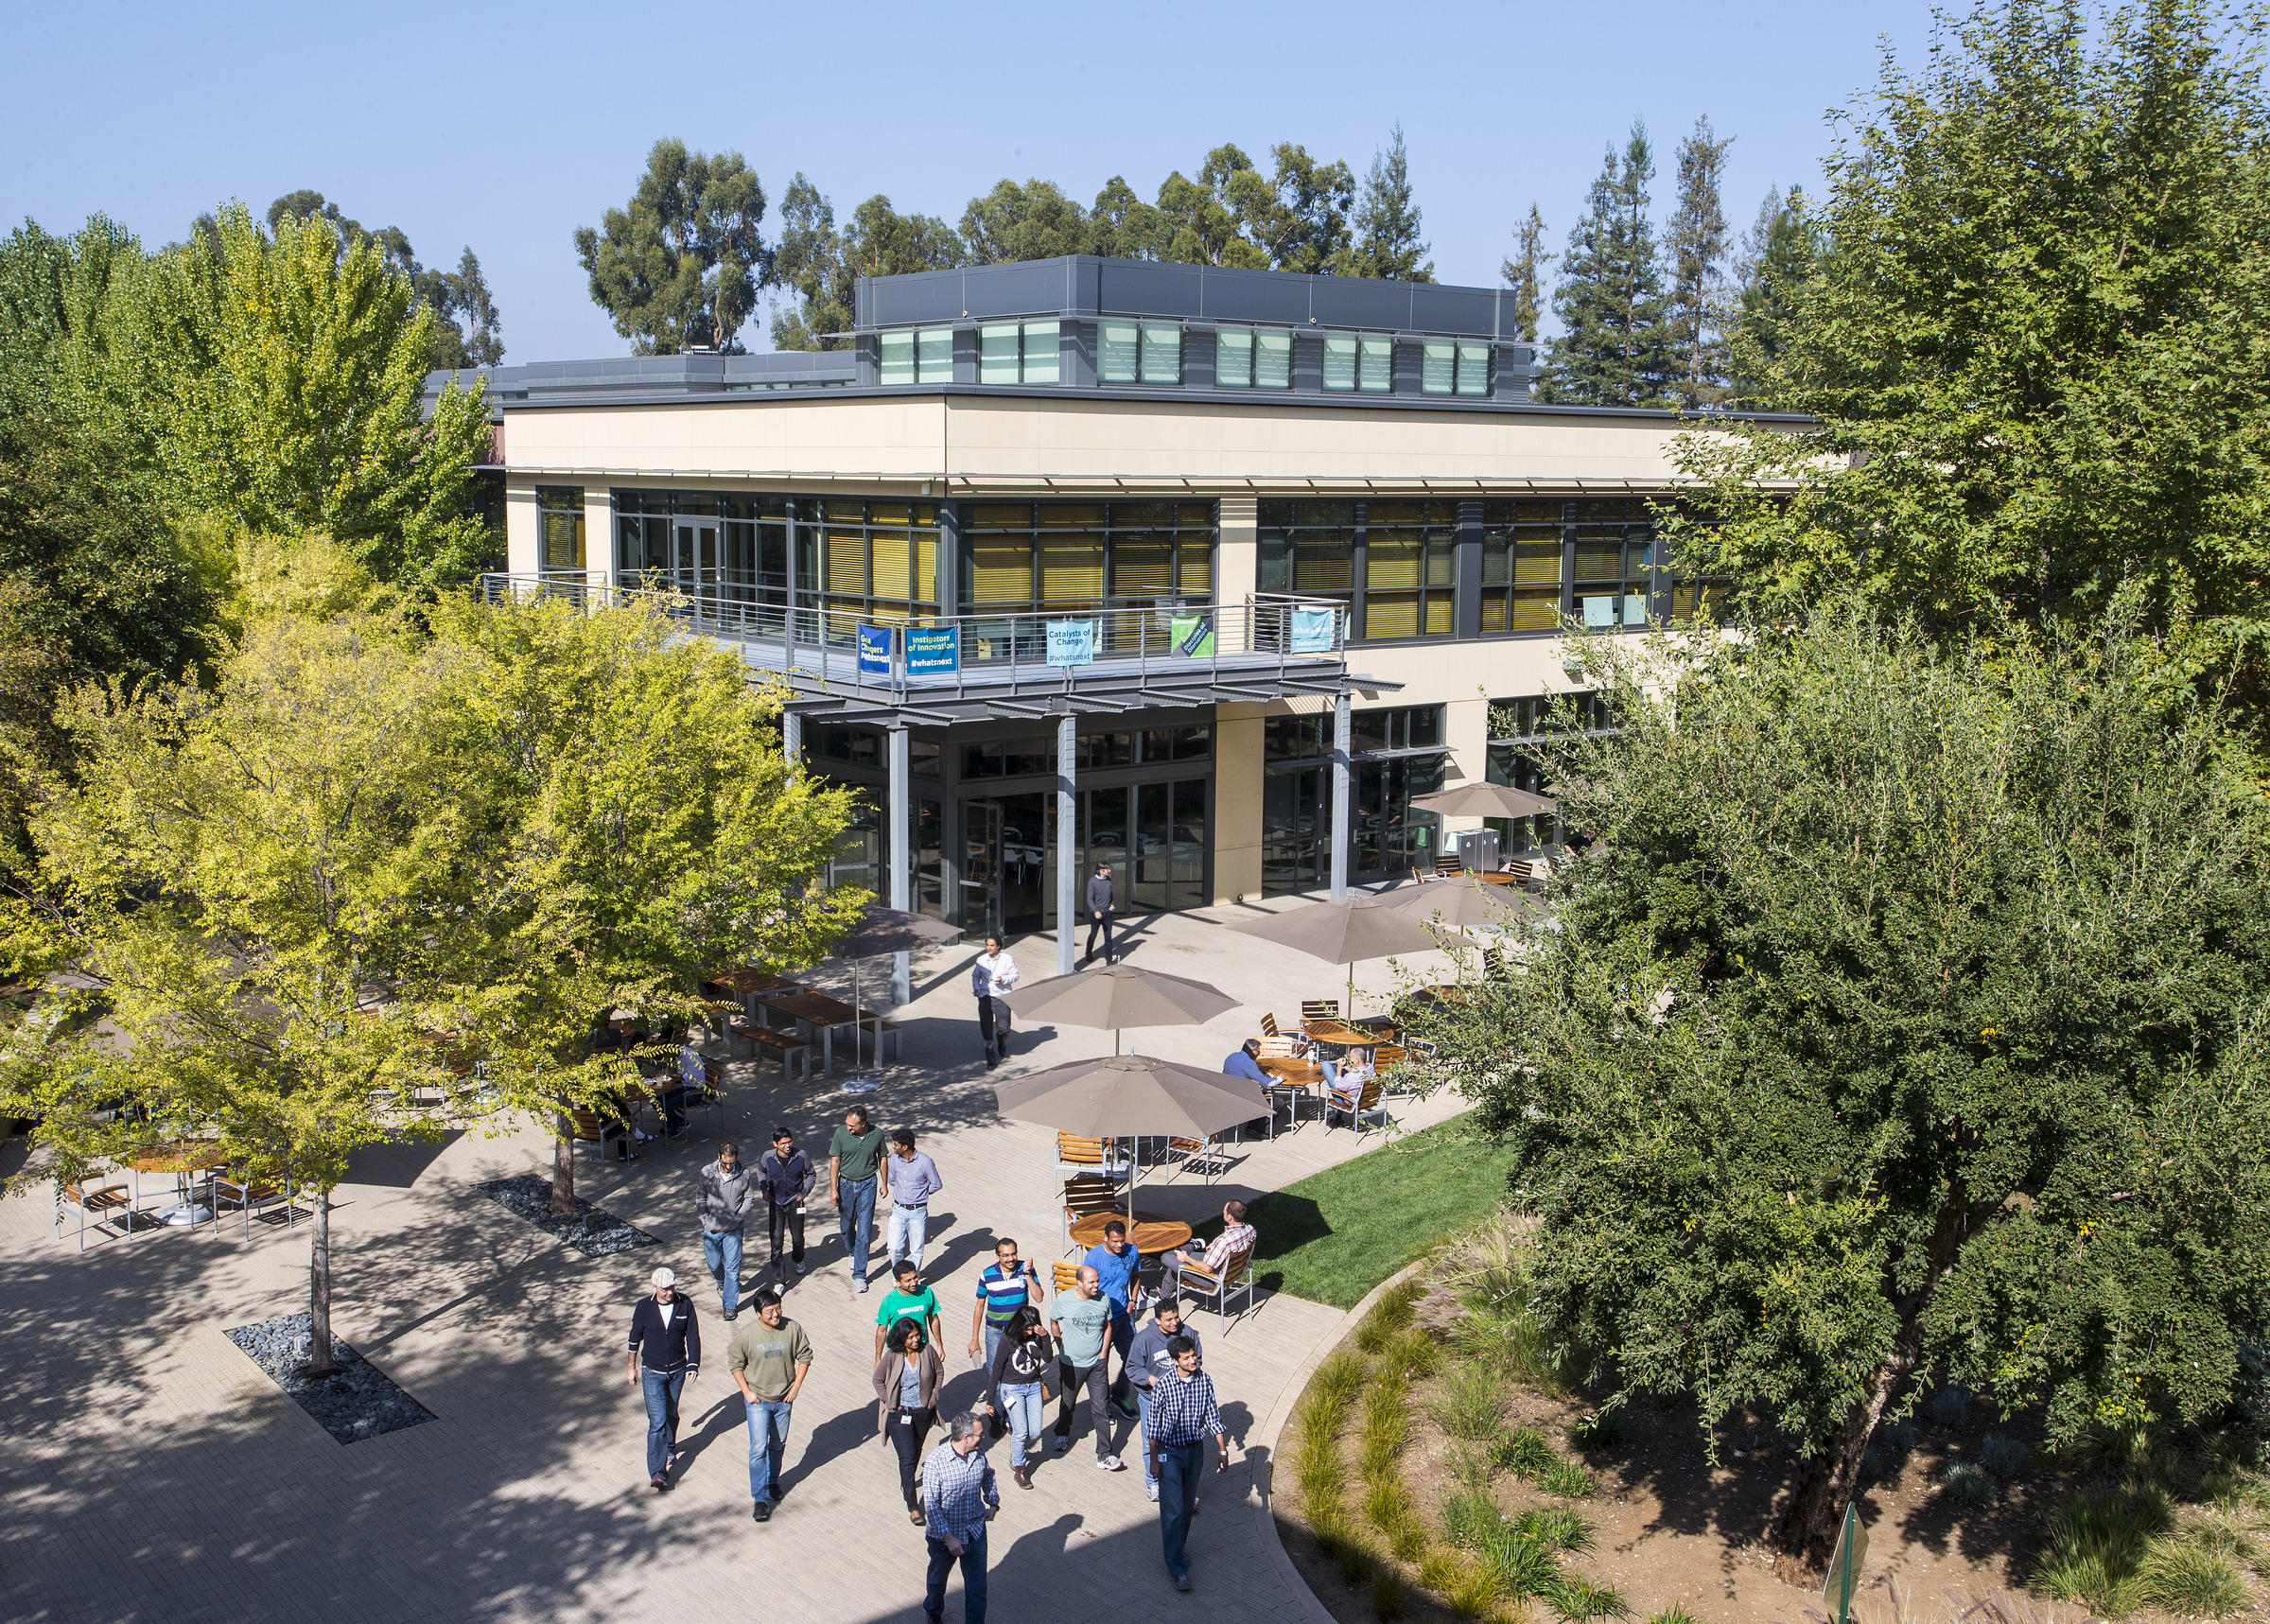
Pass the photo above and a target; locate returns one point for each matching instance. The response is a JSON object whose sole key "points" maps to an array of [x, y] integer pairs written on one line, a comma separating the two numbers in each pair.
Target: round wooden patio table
{"points": [[1151, 1234]]}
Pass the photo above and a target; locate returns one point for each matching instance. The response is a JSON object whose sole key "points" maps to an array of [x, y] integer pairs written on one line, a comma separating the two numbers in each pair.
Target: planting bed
{"points": [[594, 1233], [360, 1402]]}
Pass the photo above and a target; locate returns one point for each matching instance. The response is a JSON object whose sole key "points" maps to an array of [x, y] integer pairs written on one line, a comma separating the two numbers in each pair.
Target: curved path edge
{"points": [[1265, 1478]]}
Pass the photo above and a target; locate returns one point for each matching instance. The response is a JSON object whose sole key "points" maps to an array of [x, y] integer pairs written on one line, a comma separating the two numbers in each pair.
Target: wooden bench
{"points": [[789, 1049]]}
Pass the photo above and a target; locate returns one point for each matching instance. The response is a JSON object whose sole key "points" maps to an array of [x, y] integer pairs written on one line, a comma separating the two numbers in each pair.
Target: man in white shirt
{"points": [[994, 974]]}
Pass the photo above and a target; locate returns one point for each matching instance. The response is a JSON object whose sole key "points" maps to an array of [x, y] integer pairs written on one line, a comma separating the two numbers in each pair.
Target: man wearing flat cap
{"points": [[666, 1354]]}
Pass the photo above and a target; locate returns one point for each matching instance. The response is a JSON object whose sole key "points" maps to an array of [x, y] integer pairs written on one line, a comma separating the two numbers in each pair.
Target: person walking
{"points": [[1183, 1415], [1019, 1371], [908, 1299], [913, 1180], [725, 1195], [1098, 900], [1082, 1321], [1119, 1266], [786, 1176], [992, 977], [959, 1498], [666, 1354], [769, 1361], [853, 1155], [907, 1378], [1147, 1360], [1007, 1285]]}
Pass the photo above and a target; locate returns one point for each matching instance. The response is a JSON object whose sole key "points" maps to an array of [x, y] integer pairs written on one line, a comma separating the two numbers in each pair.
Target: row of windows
{"points": [[1370, 732], [1049, 555], [917, 354], [1138, 351], [1151, 352], [1033, 754]]}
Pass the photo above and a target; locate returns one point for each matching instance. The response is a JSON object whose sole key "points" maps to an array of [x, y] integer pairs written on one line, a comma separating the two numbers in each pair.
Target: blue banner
{"points": [[1071, 643], [875, 651], [933, 651], [1312, 631]]}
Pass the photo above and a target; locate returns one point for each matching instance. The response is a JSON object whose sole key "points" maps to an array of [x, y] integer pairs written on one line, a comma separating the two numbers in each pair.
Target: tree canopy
{"points": [[1386, 243], [1614, 345], [1909, 1015], [680, 268], [466, 324]]}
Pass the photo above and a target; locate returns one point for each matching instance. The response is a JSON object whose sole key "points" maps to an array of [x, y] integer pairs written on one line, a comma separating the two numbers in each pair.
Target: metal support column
{"points": [[1068, 825], [896, 839], [791, 741], [1343, 793]]}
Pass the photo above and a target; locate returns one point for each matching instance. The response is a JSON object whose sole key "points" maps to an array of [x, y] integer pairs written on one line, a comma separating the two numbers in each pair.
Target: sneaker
{"points": [[1152, 1489], [1110, 1463], [799, 1269], [762, 1512], [656, 1482], [1059, 1442], [731, 1315], [1181, 1581], [1127, 1411], [860, 1286]]}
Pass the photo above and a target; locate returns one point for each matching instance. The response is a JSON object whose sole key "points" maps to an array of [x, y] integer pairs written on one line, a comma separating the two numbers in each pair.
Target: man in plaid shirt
{"points": [[959, 1498], [1182, 1415]]}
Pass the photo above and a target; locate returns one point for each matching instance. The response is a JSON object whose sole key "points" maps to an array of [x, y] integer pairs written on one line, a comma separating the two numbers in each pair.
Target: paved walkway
{"points": [[152, 1473]]}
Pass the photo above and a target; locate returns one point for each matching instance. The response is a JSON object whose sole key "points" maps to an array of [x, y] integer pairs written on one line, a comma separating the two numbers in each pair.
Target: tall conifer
{"points": [[1525, 274], [1387, 221], [1614, 347], [1697, 247]]}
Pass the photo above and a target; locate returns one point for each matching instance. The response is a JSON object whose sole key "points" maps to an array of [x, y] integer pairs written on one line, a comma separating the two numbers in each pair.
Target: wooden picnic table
{"points": [[1294, 1078], [753, 983], [184, 1159], [1344, 1036], [824, 1014], [1151, 1232]]}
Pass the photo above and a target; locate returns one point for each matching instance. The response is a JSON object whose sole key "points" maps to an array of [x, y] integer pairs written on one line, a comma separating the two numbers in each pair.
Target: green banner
{"points": [[1192, 635]]}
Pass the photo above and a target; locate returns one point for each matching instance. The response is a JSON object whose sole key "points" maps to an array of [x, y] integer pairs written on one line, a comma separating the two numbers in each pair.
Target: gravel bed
{"points": [[591, 1231], [360, 1402]]}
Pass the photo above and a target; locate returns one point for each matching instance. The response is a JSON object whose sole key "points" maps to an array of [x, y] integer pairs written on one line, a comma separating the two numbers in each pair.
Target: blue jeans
{"points": [[992, 1342], [1143, 1435], [856, 1218], [973, 1579], [1024, 1410], [662, 1388], [721, 1252], [910, 1228], [768, 1441], [1179, 1465]]}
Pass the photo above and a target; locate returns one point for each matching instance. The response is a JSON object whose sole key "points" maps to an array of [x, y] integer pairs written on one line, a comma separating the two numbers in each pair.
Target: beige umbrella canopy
{"points": [[1120, 995], [1461, 902], [1343, 930], [881, 931], [1485, 800], [1127, 1096]]}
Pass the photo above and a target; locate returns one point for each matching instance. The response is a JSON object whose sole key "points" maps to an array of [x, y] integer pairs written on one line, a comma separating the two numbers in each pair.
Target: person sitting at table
{"points": [[1246, 1063], [1344, 1082], [1199, 1261]]}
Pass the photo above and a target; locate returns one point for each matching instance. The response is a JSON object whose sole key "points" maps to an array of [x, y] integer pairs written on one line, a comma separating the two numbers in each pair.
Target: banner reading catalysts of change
{"points": [[1071, 643]]}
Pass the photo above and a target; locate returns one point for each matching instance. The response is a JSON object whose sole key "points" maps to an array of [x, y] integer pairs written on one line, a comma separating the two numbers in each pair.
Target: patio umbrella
{"points": [[1121, 995], [1485, 800], [881, 931], [1461, 900], [1127, 1097], [1343, 930]]}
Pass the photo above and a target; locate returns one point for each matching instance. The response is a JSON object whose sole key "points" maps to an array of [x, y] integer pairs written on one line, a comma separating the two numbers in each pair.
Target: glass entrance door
{"points": [[1007, 876], [980, 866], [696, 563]]}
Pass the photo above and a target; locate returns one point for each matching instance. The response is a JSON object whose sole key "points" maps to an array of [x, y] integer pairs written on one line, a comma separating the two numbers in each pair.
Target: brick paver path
{"points": [[152, 1473]]}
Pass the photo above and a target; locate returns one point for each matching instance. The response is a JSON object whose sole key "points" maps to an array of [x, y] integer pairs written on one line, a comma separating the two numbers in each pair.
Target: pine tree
{"points": [[1387, 221], [1697, 249], [1525, 274], [1777, 256], [1614, 348]]}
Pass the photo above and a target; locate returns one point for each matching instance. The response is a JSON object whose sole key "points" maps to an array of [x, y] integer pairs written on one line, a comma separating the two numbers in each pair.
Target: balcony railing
{"points": [[1265, 632]]}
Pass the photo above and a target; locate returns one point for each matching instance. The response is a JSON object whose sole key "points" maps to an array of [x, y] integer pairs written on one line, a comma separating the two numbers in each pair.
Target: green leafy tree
{"points": [[2033, 341], [1525, 274], [1122, 225], [466, 330], [1777, 256], [822, 267], [1299, 216], [1388, 244], [1614, 345], [1909, 1017], [1696, 244], [1032, 221], [1201, 221], [636, 829], [682, 266]]}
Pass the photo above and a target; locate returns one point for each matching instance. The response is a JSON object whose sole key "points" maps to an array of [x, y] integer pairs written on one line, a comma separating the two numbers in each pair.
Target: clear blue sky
{"points": [[504, 127]]}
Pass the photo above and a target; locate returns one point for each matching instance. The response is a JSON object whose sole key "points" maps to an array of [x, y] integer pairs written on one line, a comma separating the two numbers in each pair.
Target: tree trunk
{"points": [[562, 1166], [322, 1359]]}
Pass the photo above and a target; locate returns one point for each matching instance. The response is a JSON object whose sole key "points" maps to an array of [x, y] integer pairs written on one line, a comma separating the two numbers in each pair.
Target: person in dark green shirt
{"points": [[908, 1299], [853, 1155]]}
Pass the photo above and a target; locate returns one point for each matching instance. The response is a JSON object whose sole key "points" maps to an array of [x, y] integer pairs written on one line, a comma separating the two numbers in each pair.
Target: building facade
{"points": [[1205, 574]]}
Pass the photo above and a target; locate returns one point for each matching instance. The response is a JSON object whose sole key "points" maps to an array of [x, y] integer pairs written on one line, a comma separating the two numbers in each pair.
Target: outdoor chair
{"points": [[1356, 1108], [248, 1192], [1449, 866], [108, 1201], [1493, 965], [1066, 1277], [1083, 1198], [1093, 1157], [589, 1127], [1206, 1155], [1386, 1061], [1319, 1009], [1236, 1276], [1269, 1025]]}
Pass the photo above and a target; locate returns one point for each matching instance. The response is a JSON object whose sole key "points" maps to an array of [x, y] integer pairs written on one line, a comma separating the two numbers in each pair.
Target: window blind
{"points": [[1339, 360], [1272, 360], [1116, 351], [1041, 351], [1143, 565], [898, 359], [1234, 357], [1376, 363], [1474, 369], [1439, 367], [997, 353], [847, 561], [933, 354]]}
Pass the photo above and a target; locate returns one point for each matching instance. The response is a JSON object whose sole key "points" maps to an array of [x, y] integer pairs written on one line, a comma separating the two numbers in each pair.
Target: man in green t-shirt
{"points": [[908, 1299], [853, 1155], [770, 1358]]}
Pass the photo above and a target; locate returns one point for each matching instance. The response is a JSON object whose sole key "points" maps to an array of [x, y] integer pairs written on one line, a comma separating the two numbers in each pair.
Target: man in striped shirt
{"points": [[959, 1498], [1007, 1285], [1182, 1415]]}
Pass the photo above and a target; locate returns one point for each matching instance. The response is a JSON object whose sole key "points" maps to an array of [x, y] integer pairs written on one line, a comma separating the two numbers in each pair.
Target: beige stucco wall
{"points": [[1236, 802], [520, 539]]}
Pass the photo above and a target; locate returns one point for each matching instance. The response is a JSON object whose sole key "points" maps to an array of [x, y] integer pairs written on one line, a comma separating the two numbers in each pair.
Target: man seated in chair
{"points": [[1246, 1063], [1345, 1080], [1204, 1264]]}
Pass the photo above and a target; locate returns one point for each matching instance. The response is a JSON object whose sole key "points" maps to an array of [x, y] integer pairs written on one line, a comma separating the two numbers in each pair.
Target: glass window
{"points": [[1272, 358], [1308, 549], [1162, 352], [1339, 360], [1296, 737], [1522, 590], [1449, 366], [1117, 555], [1017, 352], [1253, 358], [1474, 369], [933, 354], [1117, 358], [560, 527], [1039, 344], [997, 355], [1234, 357], [1376, 363], [898, 363]]}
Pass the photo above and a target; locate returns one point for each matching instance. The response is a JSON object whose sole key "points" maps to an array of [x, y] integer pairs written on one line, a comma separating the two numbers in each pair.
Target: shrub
{"points": [[1414, 1352], [1969, 1482], [2002, 1456], [1387, 1595], [1523, 1451], [1599, 1429], [1389, 1314], [1472, 1402], [1896, 1436], [2098, 1540], [1471, 1517], [2224, 1534], [1675, 1614], [2182, 1578], [1407, 1538], [1949, 1405], [1474, 1594], [1555, 1528], [1337, 1381], [1565, 1478], [1386, 1428], [1577, 1598], [1520, 1566]]}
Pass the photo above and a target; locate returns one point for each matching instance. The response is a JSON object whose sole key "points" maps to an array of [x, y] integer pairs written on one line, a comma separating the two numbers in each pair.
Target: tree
{"points": [[637, 830], [452, 296], [1868, 1050], [1032, 221], [1387, 221], [246, 868], [1525, 274], [823, 267], [1777, 256], [1122, 225], [1695, 246], [1614, 348], [1200, 222], [681, 267], [2034, 343]]}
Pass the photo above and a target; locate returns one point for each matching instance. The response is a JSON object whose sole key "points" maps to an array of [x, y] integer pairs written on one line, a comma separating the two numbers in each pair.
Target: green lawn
{"points": [[1337, 1233]]}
